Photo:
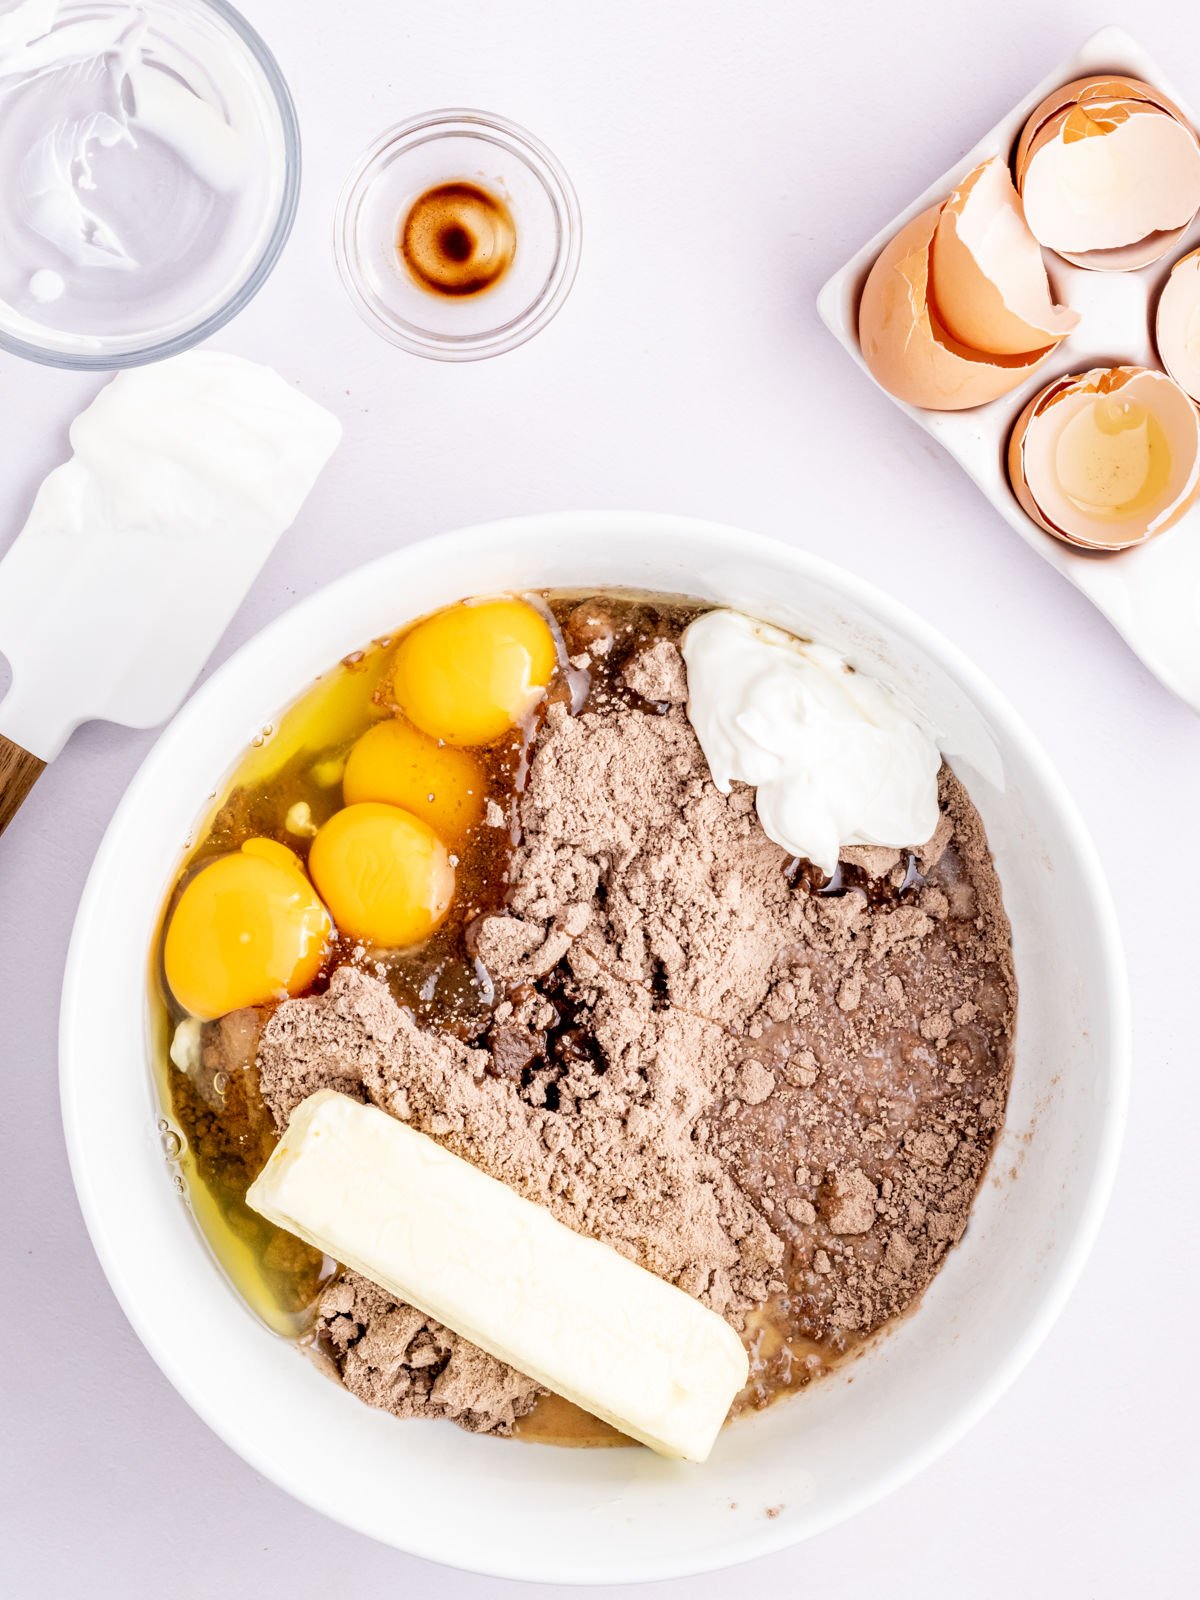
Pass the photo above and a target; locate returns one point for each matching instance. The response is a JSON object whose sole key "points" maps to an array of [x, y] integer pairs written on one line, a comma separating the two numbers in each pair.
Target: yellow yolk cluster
{"points": [[398, 764], [248, 928], [468, 674], [384, 874]]}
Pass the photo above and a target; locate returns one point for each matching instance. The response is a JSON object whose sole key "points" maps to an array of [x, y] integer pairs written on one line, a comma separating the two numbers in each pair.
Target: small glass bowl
{"points": [[445, 147], [191, 297]]}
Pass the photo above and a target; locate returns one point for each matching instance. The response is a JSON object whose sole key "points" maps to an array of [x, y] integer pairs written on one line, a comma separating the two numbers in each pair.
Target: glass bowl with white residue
{"points": [[149, 174]]}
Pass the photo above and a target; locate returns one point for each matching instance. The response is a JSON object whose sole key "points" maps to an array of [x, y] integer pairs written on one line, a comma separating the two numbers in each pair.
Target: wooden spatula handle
{"points": [[19, 771]]}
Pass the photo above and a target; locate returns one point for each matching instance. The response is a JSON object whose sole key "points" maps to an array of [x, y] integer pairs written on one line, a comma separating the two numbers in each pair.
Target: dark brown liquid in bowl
{"points": [[457, 239]]}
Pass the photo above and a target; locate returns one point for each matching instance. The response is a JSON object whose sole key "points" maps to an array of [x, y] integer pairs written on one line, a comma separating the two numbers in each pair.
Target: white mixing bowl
{"points": [[612, 1515]]}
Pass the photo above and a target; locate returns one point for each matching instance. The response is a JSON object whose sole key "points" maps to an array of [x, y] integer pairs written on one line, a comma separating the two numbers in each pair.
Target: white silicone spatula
{"points": [[139, 549]]}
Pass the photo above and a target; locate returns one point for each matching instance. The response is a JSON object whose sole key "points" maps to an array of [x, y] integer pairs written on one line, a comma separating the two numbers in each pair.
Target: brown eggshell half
{"points": [[1086, 91], [988, 279], [906, 349], [1033, 440], [1177, 324], [1109, 173]]}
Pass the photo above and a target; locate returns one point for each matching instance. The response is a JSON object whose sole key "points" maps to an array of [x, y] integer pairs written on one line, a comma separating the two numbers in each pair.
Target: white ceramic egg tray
{"points": [[1150, 594]]}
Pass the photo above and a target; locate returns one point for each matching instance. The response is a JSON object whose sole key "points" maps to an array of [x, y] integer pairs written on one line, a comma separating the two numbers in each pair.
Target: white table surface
{"points": [[728, 156]]}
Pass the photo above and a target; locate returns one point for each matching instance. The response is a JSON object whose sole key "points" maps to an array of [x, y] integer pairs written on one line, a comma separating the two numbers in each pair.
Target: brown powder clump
{"points": [[689, 896], [396, 1357], [778, 1099], [657, 674], [613, 1157]]}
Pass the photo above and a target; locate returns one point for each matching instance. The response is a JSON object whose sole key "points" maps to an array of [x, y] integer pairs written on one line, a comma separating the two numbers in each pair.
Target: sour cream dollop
{"points": [[835, 758]]}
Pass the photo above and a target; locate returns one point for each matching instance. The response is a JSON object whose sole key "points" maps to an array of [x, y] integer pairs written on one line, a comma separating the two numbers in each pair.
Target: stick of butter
{"points": [[565, 1310]]}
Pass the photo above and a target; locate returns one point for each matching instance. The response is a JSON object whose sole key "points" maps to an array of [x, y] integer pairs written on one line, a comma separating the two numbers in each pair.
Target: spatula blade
{"points": [[104, 613]]}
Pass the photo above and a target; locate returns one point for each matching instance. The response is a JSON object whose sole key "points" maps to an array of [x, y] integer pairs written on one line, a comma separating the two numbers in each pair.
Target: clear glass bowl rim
{"points": [[540, 311], [135, 356]]}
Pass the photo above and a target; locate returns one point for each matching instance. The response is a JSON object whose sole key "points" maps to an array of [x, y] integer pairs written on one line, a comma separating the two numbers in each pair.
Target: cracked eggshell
{"points": [[1037, 459], [989, 283], [907, 350], [1177, 324], [1108, 170]]}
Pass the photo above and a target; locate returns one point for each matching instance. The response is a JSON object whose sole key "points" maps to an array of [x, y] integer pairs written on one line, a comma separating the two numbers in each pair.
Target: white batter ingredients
{"points": [[834, 756]]}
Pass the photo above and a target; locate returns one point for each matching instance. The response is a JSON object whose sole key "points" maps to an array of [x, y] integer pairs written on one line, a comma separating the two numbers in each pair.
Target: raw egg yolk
{"points": [[384, 874], [470, 673], [398, 764], [248, 928]]}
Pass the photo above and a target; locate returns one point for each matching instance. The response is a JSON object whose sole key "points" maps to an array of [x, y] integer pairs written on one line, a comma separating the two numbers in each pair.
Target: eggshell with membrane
{"points": [[1177, 324], [989, 282], [907, 349], [1108, 171], [1036, 463]]}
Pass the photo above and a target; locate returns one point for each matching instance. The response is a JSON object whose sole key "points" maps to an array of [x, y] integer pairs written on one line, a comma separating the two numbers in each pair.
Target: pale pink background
{"points": [[728, 156]]}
